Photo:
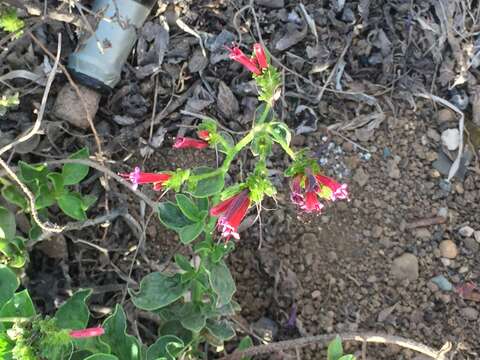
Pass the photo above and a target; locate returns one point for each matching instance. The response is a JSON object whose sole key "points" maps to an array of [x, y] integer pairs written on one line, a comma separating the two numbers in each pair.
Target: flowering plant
{"points": [[195, 300]]}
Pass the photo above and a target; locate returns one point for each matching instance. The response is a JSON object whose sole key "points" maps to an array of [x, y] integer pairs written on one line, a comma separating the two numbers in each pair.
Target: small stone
{"points": [[442, 282], [446, 262], [332, 256], [393, 170], [451, 139], [445, 115], [423, 234], [443, 212], [469, 313], [361, 177], [405, 267], [432, 286], [466, 231], [266, 328], [433, 135], [471, 244], [316, 294], [70, 108], [448, 249], [476, 236], [463, 270]]}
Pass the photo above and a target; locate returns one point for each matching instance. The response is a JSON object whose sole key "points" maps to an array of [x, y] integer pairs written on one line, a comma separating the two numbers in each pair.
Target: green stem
{"points": [[14, 319], [235, 150]]}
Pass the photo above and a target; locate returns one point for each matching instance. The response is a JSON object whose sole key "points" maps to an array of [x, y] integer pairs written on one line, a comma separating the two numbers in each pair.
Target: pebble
{"points": [[442, 282], [476, 235], [446, 262], [266, 328], [443, 212], [361, 177], [68, 106], [471, 244], [466, 231], [445, 115], [393, 170], [405, 267], [451, 139], [423, 234], [448, 249], [469, 313], [316, 294], [433, 135]]}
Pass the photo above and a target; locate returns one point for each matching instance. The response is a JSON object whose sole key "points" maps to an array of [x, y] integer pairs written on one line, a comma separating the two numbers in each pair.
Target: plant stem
{"points": [[13, 319]]}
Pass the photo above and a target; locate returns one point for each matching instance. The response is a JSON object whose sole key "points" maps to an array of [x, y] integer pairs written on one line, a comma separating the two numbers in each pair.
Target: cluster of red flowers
{"points": [[307, 188]]}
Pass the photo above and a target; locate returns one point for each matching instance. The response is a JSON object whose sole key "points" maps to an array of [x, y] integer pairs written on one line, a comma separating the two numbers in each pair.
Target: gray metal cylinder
{"points": [[116, 33]]}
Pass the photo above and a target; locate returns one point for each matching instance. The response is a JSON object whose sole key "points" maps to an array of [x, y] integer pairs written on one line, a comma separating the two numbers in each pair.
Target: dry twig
{"points": [[325, 339], [38, 122]]}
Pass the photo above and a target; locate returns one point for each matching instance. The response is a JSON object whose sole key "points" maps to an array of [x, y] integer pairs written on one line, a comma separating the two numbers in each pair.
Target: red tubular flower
{"points": [[137, 177], [204, 135], [85, 333], [308, 189], [239, 56], [231, 212], [338, 191], [189, 143], [259, 52]]}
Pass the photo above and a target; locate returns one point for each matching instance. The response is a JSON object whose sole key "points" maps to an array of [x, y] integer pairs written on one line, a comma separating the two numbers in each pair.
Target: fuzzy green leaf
{"points": [[222, 330], [7, 224], [171, 216], [157, 291], [75, 173], [124, 346], [14, 196], [335, 349], [222, 282], [183, 263], [190, 232], [8, 284], [244, 344], [10, 22], [72, 206], [347, 357], [101, 357], [208, 186], [192, 318], [74, 313], [19, 305], [189, 209], [166, 347], [30, 173]]}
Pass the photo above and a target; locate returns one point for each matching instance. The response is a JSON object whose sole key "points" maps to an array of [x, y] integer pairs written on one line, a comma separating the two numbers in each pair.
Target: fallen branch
{"points": [[325, 339], [46, 226]]}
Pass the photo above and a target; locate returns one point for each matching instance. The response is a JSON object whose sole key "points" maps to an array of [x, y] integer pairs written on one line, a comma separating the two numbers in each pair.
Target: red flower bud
{"points": [[85, 333], [137, 177], [188, 143], [259, 52], [231, 212], [204, 135], [237, 55]]}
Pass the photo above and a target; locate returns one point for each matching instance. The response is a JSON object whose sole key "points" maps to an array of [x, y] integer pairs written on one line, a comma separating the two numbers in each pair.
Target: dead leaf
{"points": [[292, 37], [226, 101], [308, 119], [385, 313]]}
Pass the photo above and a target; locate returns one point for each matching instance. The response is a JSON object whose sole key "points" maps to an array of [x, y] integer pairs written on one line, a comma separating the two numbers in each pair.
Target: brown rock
{"points": [[445, 115], [69, 107], [405, 267], [448, 249]]}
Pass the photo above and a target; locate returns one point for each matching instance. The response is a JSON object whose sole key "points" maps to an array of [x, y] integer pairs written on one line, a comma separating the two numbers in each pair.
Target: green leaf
{"points": [[10, 22], [7, 224], [189, 209], [347, 357], [171, 216], [57, 181], [19, 305], [222, 282], [208, 186], [157, 291], [166, 347], [14, 196], [30, 173], [87, 201], [102, 357], [15, 251], [222, 330], [75, 173], [183, 263], [244, 344], [44, 197], [91, 345], [72, 206], [202, 203], [124, 346], [335, 349], [175, 328], [280, 133], [192, 317], [74, 313], [8, 284], [190, 232]]}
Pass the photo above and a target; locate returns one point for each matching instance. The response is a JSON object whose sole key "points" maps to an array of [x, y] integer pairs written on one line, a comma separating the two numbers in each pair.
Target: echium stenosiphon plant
{"points": [[194, 300]]}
